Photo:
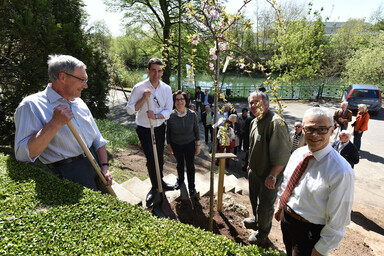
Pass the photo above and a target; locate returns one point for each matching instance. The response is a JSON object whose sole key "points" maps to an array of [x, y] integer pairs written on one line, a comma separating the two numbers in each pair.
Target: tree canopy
{"points": [[29, 32]]}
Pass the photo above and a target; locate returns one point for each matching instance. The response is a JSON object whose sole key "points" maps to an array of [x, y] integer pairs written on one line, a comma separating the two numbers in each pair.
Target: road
{"points": [[369, 185]]}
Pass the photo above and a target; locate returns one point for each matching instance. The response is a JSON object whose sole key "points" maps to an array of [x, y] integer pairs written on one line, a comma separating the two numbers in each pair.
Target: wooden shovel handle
{"points": [[90, 157], [160, 186]]}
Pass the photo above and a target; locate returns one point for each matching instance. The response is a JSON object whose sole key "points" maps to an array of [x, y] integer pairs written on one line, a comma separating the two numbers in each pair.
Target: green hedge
{"points": [[43, 215]]}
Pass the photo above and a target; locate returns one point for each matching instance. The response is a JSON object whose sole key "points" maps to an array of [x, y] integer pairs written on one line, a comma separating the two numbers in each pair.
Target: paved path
{"points": [[369, 186]]}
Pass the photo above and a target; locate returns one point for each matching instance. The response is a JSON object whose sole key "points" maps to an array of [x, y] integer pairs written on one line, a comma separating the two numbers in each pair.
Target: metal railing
{"points": [[287, 92]]}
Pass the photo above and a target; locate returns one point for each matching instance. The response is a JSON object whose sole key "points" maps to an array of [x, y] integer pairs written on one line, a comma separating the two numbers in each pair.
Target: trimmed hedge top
{"points": [[41, 214]]}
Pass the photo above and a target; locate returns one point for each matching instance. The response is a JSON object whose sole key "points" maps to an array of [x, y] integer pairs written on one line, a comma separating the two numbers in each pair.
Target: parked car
{"points": [[369, 95]]}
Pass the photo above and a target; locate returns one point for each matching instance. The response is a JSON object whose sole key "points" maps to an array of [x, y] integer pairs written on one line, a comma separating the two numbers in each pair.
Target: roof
{"points": [[365, 86]]}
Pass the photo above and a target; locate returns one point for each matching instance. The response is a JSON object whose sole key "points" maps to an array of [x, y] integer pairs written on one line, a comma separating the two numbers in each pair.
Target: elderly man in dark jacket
{"points": [[346, 148]]}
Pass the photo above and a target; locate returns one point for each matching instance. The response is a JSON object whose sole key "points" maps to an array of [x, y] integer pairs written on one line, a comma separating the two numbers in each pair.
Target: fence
{"points": [[296, 92]]}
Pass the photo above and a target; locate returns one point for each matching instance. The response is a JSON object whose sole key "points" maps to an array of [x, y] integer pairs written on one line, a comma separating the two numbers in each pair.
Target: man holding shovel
{"points": [[41, 130], [151, 101]]}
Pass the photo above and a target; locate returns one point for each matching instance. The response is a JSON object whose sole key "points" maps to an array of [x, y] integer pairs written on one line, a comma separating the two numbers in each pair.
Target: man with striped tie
{"points": [[316, 195]]}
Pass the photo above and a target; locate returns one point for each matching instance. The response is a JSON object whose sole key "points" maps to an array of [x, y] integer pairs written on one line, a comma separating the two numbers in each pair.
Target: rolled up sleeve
{"points": [[132, 101], [166, 112], [27, 125], [338, 213]]}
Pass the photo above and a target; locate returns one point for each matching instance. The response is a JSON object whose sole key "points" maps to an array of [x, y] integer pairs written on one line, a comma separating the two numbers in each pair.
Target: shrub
{"points": [[41, 214]]}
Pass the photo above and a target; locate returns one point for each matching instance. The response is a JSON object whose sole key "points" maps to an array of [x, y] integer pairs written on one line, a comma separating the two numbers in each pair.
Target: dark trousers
{"points": [[241, 139], [262, 201], [208, 128], [299, 237], [146, 142], [185, 153], [80, 171], [357, 139]]}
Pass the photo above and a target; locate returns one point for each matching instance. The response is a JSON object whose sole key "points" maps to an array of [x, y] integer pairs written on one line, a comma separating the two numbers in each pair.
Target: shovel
{"points": [[161, 207], [90, 158]]}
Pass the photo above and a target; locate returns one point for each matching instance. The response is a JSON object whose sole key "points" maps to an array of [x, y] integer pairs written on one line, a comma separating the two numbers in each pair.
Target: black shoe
{"points": [[167, 186], [178, 185], [192, 192]]}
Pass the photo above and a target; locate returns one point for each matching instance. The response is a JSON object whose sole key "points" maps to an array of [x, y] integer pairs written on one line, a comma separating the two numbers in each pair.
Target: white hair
{"points": [[348, 134], [363, 106], [319, 112], [62, 63]]}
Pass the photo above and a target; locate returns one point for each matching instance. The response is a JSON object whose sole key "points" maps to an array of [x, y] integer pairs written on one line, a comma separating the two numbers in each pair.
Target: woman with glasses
{"points": [[183, 139], [360, 125]]}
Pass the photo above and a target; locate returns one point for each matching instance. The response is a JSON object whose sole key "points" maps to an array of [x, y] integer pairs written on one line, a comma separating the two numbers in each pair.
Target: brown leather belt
{"points": [[66, 161], [295, 215]]}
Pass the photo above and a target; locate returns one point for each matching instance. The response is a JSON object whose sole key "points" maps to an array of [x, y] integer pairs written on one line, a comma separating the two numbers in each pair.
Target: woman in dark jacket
{"points": [[183, 139]]}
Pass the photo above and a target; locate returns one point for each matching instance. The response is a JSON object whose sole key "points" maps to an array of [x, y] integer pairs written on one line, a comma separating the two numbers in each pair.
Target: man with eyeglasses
{"points": [[346, 148], [297, 137], [41, 130], [159, 96], [316, 196]]}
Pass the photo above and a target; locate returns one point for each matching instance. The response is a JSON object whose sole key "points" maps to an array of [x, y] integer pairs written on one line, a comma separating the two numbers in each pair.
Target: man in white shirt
{"points": [[160, 100], [314, 215], [41, 130]]}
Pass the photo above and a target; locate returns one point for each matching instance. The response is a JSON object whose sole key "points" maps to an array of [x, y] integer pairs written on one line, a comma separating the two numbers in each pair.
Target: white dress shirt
{"points": [[324, 194], [161, 102], [36, 110]]}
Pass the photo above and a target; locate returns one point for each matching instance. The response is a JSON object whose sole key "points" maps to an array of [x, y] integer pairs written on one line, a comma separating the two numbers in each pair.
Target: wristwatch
{"points": [[156, 116], [272, 177]]}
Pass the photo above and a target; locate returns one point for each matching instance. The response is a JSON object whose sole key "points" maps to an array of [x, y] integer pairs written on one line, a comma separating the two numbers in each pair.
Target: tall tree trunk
{"points": [[166, 36]]}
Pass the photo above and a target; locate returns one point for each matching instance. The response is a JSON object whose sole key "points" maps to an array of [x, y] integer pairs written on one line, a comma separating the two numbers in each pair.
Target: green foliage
{"points": [[29, 32], [300, 51], [342, 46], [367, 64], [119, 136], [43, 215]]}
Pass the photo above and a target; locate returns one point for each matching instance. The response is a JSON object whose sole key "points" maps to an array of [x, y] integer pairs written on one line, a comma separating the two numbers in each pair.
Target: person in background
{"points": [[247, 125], [199, 98], [269, 152], [236, 129], [41, 130], [159, 96], [316, 196], [207, 117], [360, 125], [343, 116], [297, 137], [183, 139], [225, 135], [208, 99], [346, 149], [241, 120], [262, 88]]}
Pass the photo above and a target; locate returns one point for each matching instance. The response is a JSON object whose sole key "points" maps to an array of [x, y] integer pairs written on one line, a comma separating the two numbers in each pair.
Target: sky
{"points": [[337, 10]]}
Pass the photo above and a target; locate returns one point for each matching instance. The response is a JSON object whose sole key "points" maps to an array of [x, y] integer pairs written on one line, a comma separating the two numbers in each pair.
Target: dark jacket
{"points": [[204, 117], [210, 99], [349, 152]]}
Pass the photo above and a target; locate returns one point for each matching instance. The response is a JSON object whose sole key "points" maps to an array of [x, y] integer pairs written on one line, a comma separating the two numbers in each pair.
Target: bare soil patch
{"points": [[229, 222]]}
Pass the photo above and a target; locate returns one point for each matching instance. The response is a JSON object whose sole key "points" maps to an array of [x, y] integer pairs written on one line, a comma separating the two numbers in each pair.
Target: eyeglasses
{"points": [[297, 126], [181, 99], [83, 81], [156, 101], [320, 130]]}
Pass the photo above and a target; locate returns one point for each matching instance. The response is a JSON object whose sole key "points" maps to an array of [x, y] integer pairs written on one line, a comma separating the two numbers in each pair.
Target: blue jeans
{"points": [[146, 142], [262, 201], [357, 139], [185, 152]]}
